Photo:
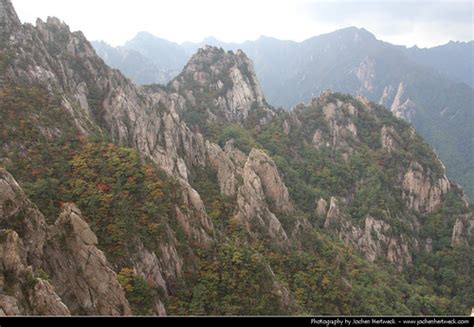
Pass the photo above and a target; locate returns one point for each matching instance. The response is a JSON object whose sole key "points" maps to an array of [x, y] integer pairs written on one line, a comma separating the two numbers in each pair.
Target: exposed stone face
{"points": [[388, 138], [422, 190], [261, 197], [340, 120], [228, 164], [80, 279], [9, 21], [463, 231], [273, 186], [8, 306], [27, 293], [196, 222], [13, 254], [402, 106], [102, 100], [230, 78], [45, 301], [333, 214], [375, 240], [80, 272], [18, 213], [321, 208], [366, 75], [318, 139], [259, 186], [98, 97], [157, 271], [22, 255], [420, 193]]}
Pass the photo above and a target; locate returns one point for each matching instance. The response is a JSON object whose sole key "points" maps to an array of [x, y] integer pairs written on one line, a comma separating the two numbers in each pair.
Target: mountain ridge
{"points": [[421, 86], [229, 221]]}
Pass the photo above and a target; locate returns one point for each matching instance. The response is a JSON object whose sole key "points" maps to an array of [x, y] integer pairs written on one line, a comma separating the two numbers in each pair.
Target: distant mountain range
{"points": [[431, 88], [454, 59], [199, 198]]}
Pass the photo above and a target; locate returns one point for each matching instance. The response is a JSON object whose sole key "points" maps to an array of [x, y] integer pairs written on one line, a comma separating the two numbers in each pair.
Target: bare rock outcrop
{"points": [[79, 271], [336, 126], [8, 306], [421, 193], [263, 191], [273, 187], [321, 208], [22, 291], [463, 231], [399, 102], [228, 163], [19, 214], [80, 280], [45, 301], [366, 74], [388, 138], [375, 240], [230, 78]]}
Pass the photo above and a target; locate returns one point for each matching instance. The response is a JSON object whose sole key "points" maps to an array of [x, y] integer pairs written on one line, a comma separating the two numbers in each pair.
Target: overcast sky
{"points": [[406, 22]]}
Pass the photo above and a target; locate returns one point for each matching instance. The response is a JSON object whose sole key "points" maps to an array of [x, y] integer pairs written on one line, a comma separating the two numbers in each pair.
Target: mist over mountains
{"points": [[200, 198], [431, 88]]}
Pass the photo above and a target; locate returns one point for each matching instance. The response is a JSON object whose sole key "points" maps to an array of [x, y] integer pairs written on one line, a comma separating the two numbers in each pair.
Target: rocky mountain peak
{"points": [[222, 86], [145, 215], [8, 18]]}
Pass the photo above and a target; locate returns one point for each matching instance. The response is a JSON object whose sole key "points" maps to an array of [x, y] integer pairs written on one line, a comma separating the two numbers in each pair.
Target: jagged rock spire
{"points": [[228, 77]]}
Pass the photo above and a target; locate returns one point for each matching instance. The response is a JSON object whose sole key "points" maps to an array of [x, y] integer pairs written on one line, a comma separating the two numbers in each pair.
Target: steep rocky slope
{"points": [[452, 59], [221, 87], [52, 270], [199, 198], [100, 102], [424, 86], [381, 183]]}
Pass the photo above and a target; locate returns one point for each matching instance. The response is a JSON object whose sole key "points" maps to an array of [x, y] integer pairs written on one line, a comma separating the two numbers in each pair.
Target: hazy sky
{"points": [[408, 22]]}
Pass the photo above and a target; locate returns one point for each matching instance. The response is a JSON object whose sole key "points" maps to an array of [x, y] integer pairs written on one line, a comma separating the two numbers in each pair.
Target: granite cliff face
{"points": [[222, 86], [52, 270], [337, 166], [101, 101], [82, 277], [339, 129], [375, 239], [399, 102], [424, 86], [262, 185], [420, 192]]}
